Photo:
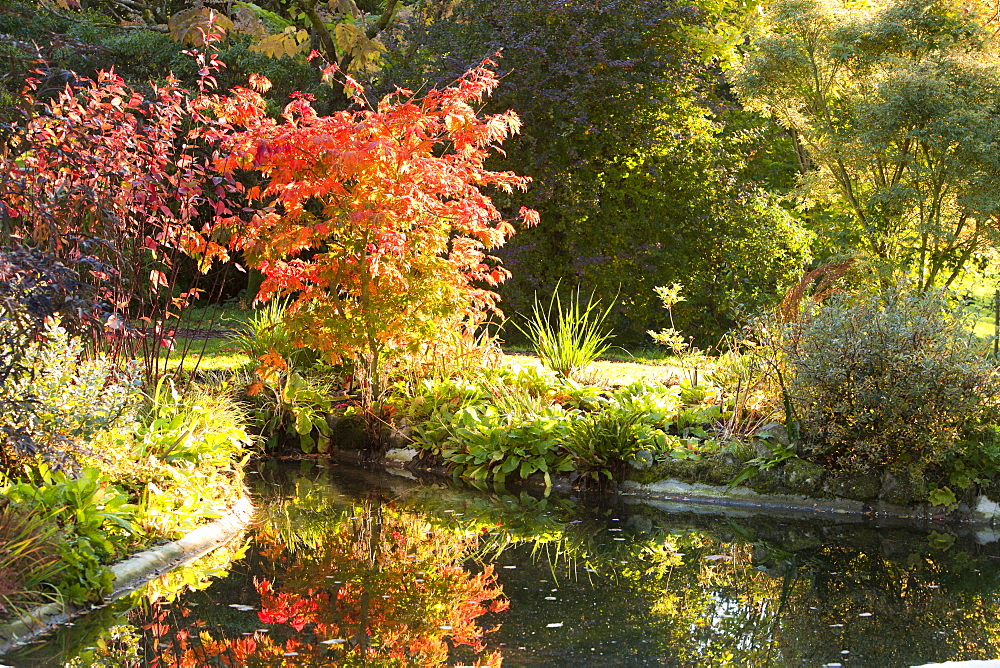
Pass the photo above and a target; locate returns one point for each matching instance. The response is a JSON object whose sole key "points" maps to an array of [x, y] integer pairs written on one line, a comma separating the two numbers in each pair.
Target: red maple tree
{"points": [[376, 219]]}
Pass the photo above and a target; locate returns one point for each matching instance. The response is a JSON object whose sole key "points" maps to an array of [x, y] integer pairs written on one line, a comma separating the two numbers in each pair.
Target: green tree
{"points": [[894, 109], [636, 183]]}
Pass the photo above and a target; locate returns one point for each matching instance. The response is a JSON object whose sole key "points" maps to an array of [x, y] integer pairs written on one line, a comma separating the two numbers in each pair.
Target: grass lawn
{"points": [[219, 355], [610, 371], [982, 294], [617, 366], [214, 316]]}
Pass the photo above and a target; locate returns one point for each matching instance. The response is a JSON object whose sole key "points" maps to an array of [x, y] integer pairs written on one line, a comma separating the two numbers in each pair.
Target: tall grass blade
{"points": [[568, 338]]}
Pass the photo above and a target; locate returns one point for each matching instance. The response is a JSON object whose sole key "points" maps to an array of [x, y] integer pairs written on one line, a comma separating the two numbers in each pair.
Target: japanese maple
{"points": [[377, 220]]}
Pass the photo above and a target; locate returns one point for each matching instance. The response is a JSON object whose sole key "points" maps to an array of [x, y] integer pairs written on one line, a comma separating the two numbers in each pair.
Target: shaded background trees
{"points": [[637, 180]]}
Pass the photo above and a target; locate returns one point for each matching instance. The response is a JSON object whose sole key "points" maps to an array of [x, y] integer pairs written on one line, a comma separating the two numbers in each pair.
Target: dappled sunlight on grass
{"points": [[616, 373], [219, 355]]}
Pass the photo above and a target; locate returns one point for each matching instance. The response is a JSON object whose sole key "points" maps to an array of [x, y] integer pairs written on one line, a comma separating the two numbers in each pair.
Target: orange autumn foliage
{"points": [[377, 220]]}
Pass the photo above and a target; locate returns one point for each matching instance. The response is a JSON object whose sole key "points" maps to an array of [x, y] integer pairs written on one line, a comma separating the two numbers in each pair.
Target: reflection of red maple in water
{"points": [[296, 610], [406, 600], [387, 586], [390, 625]]}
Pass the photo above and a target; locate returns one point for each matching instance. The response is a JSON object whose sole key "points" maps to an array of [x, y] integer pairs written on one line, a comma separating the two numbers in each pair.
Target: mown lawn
{"points": [[218, 355], [979, 290], [617, 366]]}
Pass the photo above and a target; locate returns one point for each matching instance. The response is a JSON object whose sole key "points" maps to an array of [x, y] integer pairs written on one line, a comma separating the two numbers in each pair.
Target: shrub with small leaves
{"points": [[888, 380], [66, 400]]}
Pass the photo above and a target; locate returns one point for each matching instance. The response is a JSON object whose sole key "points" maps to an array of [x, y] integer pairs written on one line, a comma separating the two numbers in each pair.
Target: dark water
{"points": [[351, 568]]}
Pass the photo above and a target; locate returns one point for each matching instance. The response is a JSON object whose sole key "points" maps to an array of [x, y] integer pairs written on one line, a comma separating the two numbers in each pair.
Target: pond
{"points": [[352, 567]]}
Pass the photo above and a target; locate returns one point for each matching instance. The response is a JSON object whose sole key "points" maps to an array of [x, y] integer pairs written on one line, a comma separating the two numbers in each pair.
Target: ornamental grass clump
{"points": [[889, 380], [28, 557], [569, 339], [266, 331]]}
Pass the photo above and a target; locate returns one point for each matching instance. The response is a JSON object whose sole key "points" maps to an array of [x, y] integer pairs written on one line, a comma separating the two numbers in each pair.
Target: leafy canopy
{"points": [[895, 109], [377, 220], [632, 176]]}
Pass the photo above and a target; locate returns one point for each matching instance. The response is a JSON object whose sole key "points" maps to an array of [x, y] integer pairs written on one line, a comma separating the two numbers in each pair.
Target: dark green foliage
{"points": [[36, 285], [90, 43], [890, 381], [631, 175]]}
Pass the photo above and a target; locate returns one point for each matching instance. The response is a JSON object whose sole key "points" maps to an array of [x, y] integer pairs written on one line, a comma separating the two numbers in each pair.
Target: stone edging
{"points": [[985, 511], [982, 513], [133, 572]]}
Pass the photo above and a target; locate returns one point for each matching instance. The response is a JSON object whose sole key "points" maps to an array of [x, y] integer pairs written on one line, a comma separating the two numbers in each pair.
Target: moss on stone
{"points": [[715, 470], [768, 481], [904, 489], [680, 469], [852, 485], [802, 477]]}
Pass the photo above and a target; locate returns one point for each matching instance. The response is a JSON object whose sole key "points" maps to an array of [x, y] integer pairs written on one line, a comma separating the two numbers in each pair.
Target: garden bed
{"points": [[132, 573]]}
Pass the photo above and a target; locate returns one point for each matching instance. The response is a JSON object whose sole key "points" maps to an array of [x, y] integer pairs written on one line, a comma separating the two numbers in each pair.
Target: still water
{"points": [[349, 567]]}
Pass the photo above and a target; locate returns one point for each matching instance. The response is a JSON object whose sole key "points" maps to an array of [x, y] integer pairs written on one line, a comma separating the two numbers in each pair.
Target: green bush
{"points": [[67, 399], [888, 381], [183, 458]]}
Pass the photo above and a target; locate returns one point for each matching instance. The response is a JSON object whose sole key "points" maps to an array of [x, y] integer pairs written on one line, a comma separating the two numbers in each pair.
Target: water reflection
{"points": [[351, 568]]}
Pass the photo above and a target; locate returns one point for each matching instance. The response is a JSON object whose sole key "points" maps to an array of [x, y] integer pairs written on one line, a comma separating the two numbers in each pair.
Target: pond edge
{"points": [[982, 512], [133, 572]]}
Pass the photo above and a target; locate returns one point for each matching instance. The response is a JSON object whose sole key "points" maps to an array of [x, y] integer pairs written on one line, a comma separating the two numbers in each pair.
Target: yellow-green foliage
{"points": [[888, 379], [184, 457], [110, 467]]}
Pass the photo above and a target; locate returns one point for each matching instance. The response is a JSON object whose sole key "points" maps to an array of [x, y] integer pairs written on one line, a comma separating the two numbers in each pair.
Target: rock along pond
{"points": [[350, 567]]}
